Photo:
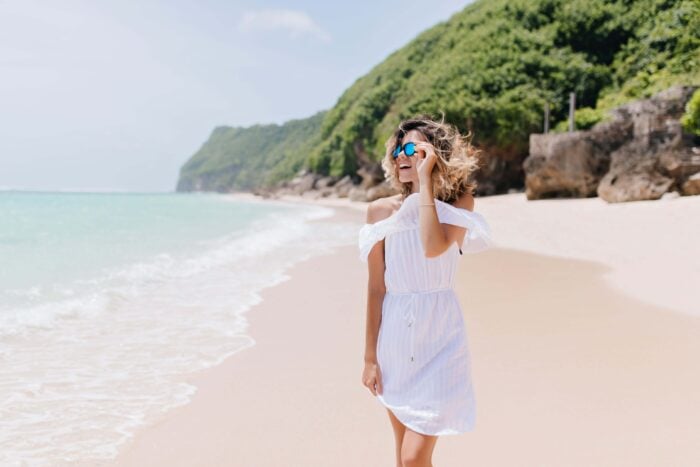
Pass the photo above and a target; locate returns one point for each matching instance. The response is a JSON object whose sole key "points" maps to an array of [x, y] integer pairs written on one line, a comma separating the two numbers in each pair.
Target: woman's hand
{"points": [[425, 164], [372, 377]]}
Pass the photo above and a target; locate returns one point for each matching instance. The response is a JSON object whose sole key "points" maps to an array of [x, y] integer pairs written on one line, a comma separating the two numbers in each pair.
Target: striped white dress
{"points": [[422, 347]]}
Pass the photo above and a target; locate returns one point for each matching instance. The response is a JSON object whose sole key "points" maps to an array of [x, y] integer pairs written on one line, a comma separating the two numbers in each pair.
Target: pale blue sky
{"points": [[98, 95]]}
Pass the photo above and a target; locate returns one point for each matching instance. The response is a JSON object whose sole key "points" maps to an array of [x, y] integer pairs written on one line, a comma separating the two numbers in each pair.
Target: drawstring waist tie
{"points": [[409, 313]]}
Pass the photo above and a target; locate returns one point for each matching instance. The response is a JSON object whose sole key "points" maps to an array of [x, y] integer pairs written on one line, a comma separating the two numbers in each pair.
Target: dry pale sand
{"points": [[570, 367]]}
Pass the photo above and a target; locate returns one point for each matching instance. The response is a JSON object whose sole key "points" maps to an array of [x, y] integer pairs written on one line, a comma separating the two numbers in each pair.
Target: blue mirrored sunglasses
{"points": [[409, 149]]}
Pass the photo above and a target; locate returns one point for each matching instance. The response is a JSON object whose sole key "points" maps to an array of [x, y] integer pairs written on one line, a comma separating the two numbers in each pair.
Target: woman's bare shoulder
{"points": [[382, 208]]}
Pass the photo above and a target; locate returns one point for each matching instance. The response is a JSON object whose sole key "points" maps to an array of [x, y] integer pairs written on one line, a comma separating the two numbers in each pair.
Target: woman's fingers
{"points": [[372, 380], [369, 384], [427, 147]]}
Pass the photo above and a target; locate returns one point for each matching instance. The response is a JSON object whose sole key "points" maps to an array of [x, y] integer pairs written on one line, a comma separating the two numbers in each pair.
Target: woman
{"points": [[416, 356]]}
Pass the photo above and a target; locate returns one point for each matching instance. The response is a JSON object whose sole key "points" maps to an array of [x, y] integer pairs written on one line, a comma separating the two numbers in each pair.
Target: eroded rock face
{"points": [[343, 186], [501, 169], [371, 174], [382, 190], [566, 164], [659, 157], [640, 153], [681, 163], [692, 185]]}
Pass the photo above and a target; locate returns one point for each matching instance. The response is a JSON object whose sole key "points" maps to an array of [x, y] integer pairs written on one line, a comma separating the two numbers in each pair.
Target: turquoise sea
{"points": [[108, 299]]}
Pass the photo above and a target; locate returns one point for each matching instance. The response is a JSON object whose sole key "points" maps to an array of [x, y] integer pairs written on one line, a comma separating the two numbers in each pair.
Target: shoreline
{"points": [[645, 244], [561, 356]]}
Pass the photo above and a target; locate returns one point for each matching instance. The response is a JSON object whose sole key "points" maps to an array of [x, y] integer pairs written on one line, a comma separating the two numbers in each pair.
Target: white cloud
{"points": [[296, 23]]}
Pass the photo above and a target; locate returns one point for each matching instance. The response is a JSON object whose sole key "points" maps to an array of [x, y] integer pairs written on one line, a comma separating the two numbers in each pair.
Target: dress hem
{"points": [[423, 432]]}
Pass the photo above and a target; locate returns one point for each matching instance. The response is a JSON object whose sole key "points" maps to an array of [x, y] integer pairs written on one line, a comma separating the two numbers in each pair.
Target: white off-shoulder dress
{"points": [[422, 347]]}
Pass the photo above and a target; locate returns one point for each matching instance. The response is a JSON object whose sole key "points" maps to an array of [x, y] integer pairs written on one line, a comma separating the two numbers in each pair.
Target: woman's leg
{"points": [[417, 449], [399, 430]]}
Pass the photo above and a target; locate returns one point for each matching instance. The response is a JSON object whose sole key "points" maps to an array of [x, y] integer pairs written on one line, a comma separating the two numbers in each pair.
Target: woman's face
{"points": [[406, 165]]}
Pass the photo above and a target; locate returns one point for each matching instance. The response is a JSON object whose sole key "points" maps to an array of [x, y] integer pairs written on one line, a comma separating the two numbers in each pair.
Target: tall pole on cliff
{"points": [[572, 109], [546, 117]]}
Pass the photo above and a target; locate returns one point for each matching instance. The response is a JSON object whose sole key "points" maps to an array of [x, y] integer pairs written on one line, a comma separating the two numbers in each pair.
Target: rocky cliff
{"points": [[639, 153]]}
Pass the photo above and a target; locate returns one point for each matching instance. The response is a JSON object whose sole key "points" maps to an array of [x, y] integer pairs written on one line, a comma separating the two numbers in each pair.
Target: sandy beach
{"points": [[584, 330]]}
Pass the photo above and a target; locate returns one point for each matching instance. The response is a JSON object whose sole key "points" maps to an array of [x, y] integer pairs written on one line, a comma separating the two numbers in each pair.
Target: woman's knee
{"points": [[412, 456], [417, 450], [414, 459]]}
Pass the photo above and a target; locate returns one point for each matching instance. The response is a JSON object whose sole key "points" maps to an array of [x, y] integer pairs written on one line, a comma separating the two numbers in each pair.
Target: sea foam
{"points": [[84, 364]]}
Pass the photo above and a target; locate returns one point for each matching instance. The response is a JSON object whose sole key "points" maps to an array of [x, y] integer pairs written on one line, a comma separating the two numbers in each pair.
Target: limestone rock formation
{"points": [[640, 153], [659, 157], [692, 185], [568, 164]]}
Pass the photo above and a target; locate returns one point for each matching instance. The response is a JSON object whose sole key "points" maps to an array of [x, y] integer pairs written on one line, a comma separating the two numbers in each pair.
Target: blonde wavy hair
{"points": [[457, 159]]}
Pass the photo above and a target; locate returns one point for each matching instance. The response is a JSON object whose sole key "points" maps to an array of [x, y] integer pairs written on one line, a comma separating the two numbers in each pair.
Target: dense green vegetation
{"points": [[584, 118], [691, 119], [490, 68], [245, 158]]}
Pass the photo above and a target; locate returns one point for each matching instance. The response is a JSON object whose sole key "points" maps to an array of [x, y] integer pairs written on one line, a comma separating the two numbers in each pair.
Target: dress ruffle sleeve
{"points": [[401, 220], [372, 233], [478, 236]]}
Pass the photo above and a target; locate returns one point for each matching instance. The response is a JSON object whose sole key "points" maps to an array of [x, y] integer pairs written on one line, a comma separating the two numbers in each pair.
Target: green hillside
{"points": [[490, 68], [244, 158]]}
